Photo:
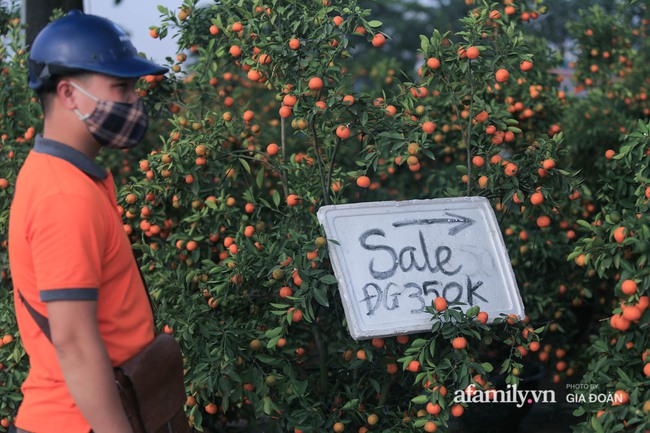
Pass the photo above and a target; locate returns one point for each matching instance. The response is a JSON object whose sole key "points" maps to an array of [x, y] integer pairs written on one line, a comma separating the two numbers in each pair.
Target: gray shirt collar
{"points": [[73, 156]]}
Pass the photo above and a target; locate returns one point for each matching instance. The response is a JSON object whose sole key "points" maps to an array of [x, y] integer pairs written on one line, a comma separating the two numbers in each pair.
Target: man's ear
{"points": [[66, 95]]}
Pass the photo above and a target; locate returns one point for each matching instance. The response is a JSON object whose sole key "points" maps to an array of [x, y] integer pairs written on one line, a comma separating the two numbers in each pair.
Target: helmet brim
{"points": [[132, 67]]}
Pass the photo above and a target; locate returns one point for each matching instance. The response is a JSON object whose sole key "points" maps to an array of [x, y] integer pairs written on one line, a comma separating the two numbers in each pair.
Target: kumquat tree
{"points": [[270, 111], [614, 246]]}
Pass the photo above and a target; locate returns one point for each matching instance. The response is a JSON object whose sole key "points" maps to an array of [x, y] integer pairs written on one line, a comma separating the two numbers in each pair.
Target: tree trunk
{"points": [[38, 13]]}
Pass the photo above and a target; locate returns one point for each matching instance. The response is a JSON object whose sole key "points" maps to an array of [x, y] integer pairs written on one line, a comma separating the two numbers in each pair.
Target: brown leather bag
{"points": [[150, 384], [152, 389]]}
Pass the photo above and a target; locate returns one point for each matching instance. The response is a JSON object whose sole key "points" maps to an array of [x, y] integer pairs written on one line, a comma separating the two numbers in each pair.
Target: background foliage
{"points": [[245, 146]]}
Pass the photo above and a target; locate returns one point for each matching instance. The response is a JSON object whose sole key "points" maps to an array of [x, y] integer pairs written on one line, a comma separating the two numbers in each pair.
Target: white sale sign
{"points": [[392, 259]]}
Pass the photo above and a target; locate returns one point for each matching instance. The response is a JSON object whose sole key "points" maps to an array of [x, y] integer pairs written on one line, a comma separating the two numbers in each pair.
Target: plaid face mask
{"points": [[116, 125]]}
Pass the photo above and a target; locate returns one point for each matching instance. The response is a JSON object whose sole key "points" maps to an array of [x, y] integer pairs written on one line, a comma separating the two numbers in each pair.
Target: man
{"points": [[71, 262]]}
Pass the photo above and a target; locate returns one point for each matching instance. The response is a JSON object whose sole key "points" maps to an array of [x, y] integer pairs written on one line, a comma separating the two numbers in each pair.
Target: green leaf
{"points": [[272, 333], [419, 422], [573, 255], [260, 178], [363, 118], [198, 418], [350, 404], [505, 366], [424, 43], [597, 426], [189, 276], [584, 224], [320, 295], [267, 406], [328, 279], [244, 164], [420, 399], [273, 342], [472, 312], [375, 23], [268, 359], [420, 342]]}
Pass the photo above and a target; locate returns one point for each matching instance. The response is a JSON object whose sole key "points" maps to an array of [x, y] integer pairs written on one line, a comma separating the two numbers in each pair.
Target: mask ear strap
{"points": [[85, 92], [81, 116]]}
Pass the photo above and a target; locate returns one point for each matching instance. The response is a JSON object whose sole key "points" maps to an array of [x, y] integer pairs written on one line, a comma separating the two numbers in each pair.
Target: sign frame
{"points": [[446, 212]]}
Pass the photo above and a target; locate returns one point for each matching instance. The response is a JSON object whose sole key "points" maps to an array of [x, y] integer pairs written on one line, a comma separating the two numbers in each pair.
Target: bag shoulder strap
{"points": [[40, 320], [144, 284]]}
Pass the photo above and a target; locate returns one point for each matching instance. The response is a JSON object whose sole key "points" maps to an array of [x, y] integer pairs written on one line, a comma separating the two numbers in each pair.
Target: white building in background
{"points": [[135, 17]]}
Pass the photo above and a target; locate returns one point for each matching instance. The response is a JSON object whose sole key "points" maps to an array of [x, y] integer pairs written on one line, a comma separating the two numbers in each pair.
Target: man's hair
{"points": [[48, 91]]}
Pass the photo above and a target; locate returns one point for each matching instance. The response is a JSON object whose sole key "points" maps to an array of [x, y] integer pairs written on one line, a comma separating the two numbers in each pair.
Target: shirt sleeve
{"points": [[67, 239]]}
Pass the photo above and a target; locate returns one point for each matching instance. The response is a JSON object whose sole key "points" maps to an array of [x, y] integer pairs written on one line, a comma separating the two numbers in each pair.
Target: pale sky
{"points": [[135, 17]]}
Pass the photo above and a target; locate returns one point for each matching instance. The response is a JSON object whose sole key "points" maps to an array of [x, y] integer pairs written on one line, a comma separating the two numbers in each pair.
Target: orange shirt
{"points": [[67, 242]]}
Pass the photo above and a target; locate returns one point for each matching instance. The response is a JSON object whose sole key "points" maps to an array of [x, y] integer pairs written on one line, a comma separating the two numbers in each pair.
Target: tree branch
{"points": [[322, 351], [319, 162], [283, 171], [331, 167]]}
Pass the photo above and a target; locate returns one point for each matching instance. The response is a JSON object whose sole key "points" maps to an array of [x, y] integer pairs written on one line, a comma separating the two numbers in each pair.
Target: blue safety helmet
{"points": [[79, 42]]}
